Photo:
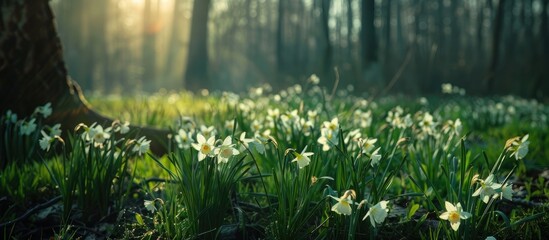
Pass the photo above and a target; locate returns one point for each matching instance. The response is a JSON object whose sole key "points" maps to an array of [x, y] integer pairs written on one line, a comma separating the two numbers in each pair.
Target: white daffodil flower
{"points": [[302, 158], [204, 148], [377, 213], [454, 214]]}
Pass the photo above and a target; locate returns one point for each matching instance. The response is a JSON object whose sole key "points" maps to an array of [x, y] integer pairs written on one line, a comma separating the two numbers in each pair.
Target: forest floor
{"points": [[298, 163]]}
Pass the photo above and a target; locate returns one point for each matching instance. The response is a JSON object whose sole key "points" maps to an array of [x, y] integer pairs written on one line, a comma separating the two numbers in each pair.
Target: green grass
{"points": [[418, 157]]}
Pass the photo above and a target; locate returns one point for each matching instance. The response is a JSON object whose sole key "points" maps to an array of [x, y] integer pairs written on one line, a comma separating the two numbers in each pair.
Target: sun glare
{"points": [[162, 4]]}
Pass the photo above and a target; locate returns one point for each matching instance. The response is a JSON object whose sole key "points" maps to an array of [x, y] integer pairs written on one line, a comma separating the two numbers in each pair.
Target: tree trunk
{"points": [[387, 24], [148, 58], [33, 72], [496, 40], [539, 90], [544, 28], [175, 43], [280, 37], [328, 52], [368, 33], [350, 24], [196, 74]]}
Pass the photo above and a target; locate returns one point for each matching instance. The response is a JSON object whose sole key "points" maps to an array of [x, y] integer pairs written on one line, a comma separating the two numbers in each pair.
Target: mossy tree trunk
{"points": [[33, 72]]}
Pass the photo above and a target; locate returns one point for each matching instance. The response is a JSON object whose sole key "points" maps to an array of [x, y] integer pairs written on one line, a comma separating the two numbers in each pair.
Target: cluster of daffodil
{"points": [[21, 135], [377, 212], [283, 124], [205, 142], [84, 174], [448, 88], [94, 135], [483, 113], [204, 170], [329, 134], [489, 188], [97, 136]]}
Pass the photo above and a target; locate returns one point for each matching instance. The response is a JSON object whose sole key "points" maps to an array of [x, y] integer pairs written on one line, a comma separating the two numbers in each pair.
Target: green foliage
{"points": [[94, 173], [302, 163], [205, 188], [19, 137], [18, 184]]}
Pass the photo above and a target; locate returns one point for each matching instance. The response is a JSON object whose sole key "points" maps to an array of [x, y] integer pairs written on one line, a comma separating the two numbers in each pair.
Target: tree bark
{"points": [[148, 58], [280, 37], [538, 86], [327, 48], [496, 41], [33, 72], [368, 33], [196, 74]]}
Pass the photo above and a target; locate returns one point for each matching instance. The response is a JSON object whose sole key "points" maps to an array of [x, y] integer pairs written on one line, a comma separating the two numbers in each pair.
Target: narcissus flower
{"points": [[123, 128], [328, 138], [226, 150], [519, 149], [45, 141], [375, 157], [488, 188], [343, 205], [149, 205], [367, 144], [447, 88], [10, 117], [98, 135], [453, 127], [208, 132], [55, 130], [377, 213], [204, 148], [454, 214], [44, 110], [183, 139], [506, 192], [332, 125], [302, 158], [314, 79], [142, 146], [27, 127]]}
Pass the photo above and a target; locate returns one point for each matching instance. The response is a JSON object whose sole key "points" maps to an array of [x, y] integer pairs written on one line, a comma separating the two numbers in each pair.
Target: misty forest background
{"points": [[389, 46]]}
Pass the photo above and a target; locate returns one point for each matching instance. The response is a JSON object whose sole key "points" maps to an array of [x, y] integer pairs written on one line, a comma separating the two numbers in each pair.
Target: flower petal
{"points": [[455, 225], [444, 215], [449, 206]]}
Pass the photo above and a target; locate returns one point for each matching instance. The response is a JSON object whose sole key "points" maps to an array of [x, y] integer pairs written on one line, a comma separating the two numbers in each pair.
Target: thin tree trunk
{"points": [[148, 58], [175, 42], [196, 73], [350, 27], [368, 33], [280, 45], [387, 25], [280, 37], [328, 52]]}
